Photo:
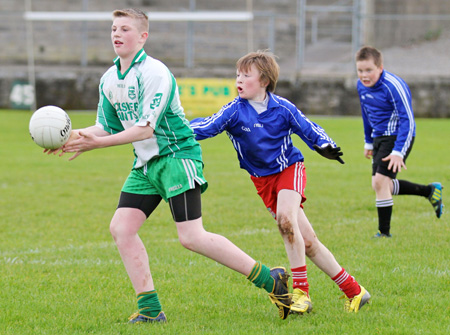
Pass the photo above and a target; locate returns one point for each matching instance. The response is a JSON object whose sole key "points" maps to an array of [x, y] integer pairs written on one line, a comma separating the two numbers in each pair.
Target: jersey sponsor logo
{"points": [[246, 129], [126, 106], [129, 116], [156, 101], [258, 125], [176, 187], [127, 111], [132, 92]]}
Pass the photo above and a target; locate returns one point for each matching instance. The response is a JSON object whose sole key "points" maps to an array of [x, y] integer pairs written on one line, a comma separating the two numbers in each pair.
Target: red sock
{"points": [[347, 284], [300, 279]]}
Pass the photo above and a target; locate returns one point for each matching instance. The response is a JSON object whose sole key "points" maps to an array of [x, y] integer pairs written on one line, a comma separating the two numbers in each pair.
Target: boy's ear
{"points": [[144, 36]]}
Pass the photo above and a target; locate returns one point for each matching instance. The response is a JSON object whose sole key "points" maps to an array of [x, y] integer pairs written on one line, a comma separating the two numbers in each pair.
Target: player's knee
{"points": [[191, 234], [374, 185], [188, 241], [119, 230], [381, 183], [285, 226], [114, 230], [311, 247], [377, 184]]}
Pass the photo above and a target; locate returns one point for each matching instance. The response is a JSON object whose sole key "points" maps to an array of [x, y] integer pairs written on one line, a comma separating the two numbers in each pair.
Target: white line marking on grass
{"points": [[100, 245], [252, 232], [238, 233], [424, 270], [17, 257], [65, 262]]}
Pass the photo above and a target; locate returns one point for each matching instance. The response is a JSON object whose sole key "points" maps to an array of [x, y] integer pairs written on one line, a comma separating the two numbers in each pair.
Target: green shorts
{"points": [[166, 176]]}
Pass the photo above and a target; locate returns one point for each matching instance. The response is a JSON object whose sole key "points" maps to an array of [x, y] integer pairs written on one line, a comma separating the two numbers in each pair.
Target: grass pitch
{"points": [[61, 272]]}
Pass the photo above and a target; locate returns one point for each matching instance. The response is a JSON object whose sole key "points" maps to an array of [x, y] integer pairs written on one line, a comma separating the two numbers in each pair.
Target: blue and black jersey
{"points": [[262, 141], [387, 111]]}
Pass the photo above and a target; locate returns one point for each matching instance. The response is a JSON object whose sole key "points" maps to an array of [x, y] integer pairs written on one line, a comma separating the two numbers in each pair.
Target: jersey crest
{"points": [[132, 92]]}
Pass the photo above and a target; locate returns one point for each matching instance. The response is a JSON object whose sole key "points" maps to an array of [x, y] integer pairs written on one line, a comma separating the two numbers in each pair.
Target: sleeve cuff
{"points": [[396, 153], [102, 127], [368, 146], [144, 123], [333, 145]]}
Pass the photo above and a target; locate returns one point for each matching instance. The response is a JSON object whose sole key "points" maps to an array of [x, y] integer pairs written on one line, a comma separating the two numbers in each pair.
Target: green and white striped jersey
{"points": [[146, 94]]}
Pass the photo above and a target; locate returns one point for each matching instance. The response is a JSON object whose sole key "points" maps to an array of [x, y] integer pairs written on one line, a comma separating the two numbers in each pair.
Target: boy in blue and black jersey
{"points": [[389, 131]]}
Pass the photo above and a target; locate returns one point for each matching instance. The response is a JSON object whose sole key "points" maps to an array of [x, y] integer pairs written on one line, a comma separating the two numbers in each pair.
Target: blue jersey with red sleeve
{"points": [[387, 111], [262, 141]]}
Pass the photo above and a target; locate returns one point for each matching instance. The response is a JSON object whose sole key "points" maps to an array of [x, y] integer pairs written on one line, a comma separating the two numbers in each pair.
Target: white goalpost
{"points": [[203, 16], [84, 16]]}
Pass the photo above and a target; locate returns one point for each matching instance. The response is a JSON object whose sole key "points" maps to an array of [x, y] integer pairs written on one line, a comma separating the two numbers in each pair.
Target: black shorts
{"points": [[184, 207], [382, 147]]}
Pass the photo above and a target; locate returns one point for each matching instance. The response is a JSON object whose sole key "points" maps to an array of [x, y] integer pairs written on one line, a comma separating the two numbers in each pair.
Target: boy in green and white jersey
{"points": [[139, 104], [136, 98]]}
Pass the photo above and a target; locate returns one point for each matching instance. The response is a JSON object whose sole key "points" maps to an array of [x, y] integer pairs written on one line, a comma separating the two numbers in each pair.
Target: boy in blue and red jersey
{"points": [[389, 132], [260, 124]]}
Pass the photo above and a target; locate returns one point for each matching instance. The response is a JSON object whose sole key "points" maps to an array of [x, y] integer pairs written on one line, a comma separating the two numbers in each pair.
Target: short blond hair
{"points": [[133, 13], [368, 52], [266, 64]]}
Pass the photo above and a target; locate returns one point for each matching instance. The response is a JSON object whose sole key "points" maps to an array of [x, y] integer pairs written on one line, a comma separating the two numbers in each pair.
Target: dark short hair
{"points": [[368, 52]]}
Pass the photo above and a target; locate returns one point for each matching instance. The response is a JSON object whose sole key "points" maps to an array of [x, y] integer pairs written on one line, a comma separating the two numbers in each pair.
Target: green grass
{"points": [[61, 272]]}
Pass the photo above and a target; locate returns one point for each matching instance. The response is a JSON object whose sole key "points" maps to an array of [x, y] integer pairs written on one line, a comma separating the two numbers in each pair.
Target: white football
{"points": [[50, 127]]}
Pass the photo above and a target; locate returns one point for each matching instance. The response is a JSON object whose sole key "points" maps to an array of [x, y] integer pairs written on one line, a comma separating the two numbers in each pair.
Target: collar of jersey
{"points": [[273, 102], [140, 56]]}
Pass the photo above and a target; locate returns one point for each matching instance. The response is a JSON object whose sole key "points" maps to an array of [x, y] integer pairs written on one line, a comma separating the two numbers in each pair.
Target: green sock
{"points": [[260, 276], [148, 303]]}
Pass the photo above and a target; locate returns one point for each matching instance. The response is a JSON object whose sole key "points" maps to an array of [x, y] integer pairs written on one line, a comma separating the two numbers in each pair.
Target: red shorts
{"points": [[292, 178]]}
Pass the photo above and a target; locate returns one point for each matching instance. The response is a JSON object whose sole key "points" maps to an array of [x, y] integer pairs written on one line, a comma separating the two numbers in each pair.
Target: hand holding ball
{"points": [[50, 127]]}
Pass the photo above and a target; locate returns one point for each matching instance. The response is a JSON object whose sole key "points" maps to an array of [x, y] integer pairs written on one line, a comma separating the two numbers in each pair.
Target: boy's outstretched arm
{"points": [[74, 136], [209, 126]]}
